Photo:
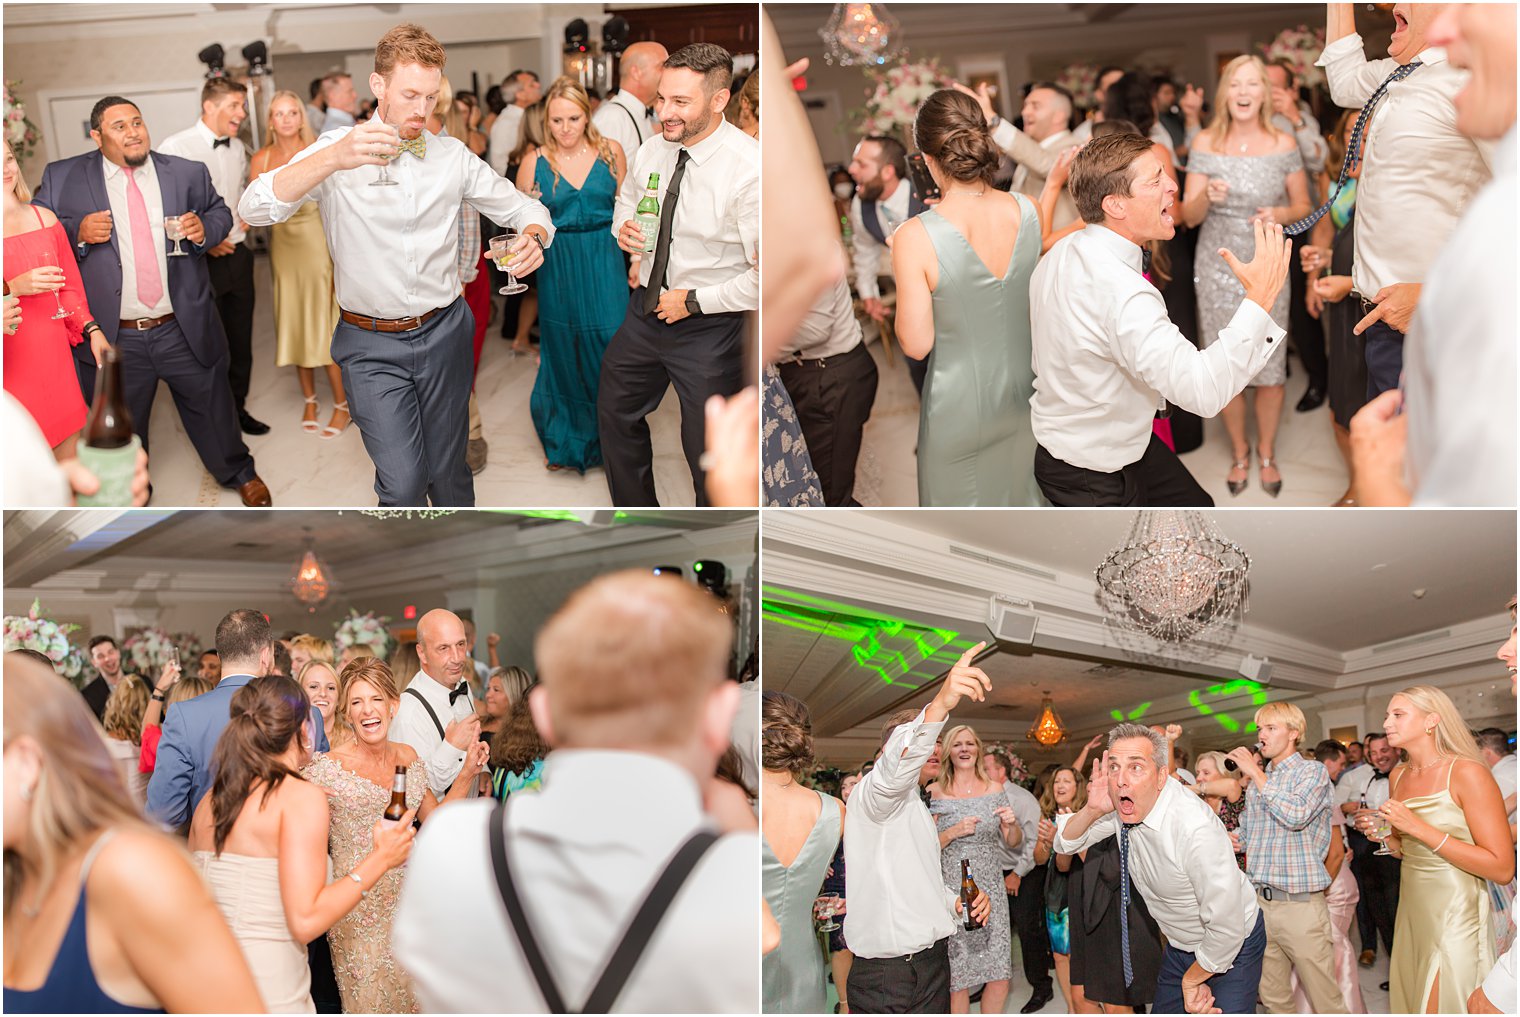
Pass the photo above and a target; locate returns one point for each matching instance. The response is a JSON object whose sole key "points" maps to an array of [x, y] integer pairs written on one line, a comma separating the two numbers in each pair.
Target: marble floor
{"points": [[1312, 470], [1374, 998], [302, 469]]}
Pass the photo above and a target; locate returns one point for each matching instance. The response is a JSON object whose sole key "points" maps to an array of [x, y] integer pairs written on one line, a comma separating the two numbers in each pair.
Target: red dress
{"points": [[39, 360]]}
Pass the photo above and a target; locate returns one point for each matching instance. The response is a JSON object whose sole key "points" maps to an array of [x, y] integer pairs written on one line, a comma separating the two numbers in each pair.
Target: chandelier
{"points": [[311, 581], [861, 34], [1174, 577], [1047, 728], [427, 513]]}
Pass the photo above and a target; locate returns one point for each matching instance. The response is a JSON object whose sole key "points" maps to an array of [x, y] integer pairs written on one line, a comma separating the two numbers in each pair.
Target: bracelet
{"points": [[539, 240], [1438, 847], [157, 696], [355, 877]]}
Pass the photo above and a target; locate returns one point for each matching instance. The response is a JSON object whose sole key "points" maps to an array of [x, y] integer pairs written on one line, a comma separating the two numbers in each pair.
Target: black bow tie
{"points": [[222, 143], [462, 689], [1377, 776], [649, 112]]}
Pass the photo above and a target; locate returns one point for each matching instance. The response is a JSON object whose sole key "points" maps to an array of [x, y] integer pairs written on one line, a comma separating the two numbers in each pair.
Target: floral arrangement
{"points": [[149, 650], [1300, 47], [19, 130], [366, 630], [1081, 80], [894, 94], [36, 631], [190, 648]]}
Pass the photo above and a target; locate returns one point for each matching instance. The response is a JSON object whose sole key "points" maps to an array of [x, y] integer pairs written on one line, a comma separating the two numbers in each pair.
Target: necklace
{"points": [[974, 194], [778, 787], [1420, 767]]}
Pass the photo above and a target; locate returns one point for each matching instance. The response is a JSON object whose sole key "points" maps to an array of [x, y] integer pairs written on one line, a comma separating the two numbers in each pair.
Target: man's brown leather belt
{"points": [[143, 324], [367, 323]]}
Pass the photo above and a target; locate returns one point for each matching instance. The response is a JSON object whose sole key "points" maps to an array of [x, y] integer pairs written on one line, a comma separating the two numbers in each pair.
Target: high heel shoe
{"points": [[332, 432], [1236, 486], [311, 426], [1272, 487]]}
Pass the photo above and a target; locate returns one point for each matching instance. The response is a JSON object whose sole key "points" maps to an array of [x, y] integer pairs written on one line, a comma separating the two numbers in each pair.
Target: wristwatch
{"points": [[157, 696], [692, 307]]}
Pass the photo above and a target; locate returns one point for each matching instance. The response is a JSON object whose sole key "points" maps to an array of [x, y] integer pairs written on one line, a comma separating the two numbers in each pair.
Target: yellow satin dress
{"points": [[1443, 925], [305, 309]]}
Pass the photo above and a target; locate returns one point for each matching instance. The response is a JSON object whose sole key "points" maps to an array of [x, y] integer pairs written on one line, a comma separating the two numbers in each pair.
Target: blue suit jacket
{"points": [[73, 188], [183, 773]]}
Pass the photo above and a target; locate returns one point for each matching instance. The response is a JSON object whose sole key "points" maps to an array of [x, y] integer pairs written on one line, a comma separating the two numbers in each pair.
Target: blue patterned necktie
{"points": [[1353, 151], [1129, 971]]}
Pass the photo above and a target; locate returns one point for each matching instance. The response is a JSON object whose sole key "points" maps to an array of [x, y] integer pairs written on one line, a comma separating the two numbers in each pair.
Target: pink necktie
{"points": [[150, 288]]}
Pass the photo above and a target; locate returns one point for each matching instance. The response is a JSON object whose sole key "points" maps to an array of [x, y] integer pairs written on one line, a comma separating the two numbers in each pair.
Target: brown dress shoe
{"points": [[1367, 958], [255, 494]]}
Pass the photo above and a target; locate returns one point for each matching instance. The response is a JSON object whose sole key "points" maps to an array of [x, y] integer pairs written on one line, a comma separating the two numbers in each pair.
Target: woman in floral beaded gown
{"points": [[358, 778]]}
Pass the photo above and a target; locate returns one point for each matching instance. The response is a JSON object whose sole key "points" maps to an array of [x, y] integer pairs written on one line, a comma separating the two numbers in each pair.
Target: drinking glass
{"points": [[384, 179], [176, 233], [503, 255], [1380, 832], [827, 906], [50, 260]]}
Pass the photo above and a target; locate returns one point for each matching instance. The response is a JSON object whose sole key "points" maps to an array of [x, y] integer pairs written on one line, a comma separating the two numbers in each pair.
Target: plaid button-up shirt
{"points": [[1286, 826]]}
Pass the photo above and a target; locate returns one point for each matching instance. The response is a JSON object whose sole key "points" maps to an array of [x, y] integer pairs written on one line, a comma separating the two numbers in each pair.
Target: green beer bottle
{"points": [[647, 215]]}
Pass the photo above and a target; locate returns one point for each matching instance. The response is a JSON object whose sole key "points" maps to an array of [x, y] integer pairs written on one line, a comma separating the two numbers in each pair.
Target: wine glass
{"points": [[827, 906], [384, 179], [175, 232], [503, 255], [1380, 832], [50, 260]]}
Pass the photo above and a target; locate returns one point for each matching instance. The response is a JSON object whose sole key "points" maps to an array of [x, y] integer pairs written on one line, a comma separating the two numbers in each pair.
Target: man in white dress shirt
{"points": [[1106, 356], [1460, 361], [634, 703], [626, 116], [437, 716], [685, 321], [404, 339], [1405, 212], [521, 90], [1176, 853], [212, 141], [1493, 744], [901, 915], [341, 102]]}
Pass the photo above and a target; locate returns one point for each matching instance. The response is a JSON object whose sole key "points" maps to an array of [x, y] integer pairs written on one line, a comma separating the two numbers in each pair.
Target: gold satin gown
{"points": [[305, 309], [1443, 924]]}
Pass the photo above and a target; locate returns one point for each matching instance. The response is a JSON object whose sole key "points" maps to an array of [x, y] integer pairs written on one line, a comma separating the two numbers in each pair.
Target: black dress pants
{"points": [[918, 983], [1308, 334], [702, 356], [1377, 877], [232, 288], [1158, 480], [1027, 910], [833, 398]]}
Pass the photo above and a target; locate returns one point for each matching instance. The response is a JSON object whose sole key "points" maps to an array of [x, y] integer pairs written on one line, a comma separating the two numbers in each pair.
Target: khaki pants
{"points": [[1298, 939], [476, 430]]}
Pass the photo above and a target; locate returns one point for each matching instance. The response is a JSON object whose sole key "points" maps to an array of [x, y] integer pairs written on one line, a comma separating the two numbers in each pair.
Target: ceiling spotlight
{"points": [[214, 57], [257, 55]]}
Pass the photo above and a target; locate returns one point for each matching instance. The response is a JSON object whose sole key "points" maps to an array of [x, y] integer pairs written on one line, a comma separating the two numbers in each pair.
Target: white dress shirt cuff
{"points": [[259, 207], [1255, 324], [1004, 135]]}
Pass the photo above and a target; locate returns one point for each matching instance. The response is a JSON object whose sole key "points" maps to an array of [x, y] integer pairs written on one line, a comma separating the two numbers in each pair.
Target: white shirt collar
{"points": [[630, 102], [113, 170], [1127, 250], [1432, 55], [710, 145], [428, 685], [206, 134]]}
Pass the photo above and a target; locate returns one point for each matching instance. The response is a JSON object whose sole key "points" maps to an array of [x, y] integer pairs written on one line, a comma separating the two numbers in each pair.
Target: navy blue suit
{"points": [[190, 352], [183, 775]]}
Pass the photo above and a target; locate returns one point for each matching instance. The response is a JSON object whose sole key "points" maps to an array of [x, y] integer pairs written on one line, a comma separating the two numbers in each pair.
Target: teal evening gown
{"points": [[582, 296], [975, 443]]}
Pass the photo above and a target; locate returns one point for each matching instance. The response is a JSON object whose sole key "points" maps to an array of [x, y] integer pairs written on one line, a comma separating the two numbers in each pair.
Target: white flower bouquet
{"points": [[19, 130], [1300, 47], [894, 95], [36, 631], [149, 650], [1080, 80], [366, 630]]}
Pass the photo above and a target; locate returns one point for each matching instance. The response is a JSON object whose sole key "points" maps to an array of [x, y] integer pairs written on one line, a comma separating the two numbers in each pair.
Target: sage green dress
{"points": [[791, 976], [975, 444]]}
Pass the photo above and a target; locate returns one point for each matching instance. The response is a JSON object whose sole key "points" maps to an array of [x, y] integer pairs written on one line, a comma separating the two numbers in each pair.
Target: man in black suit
{"points": [[156, 309], [106, 656]]}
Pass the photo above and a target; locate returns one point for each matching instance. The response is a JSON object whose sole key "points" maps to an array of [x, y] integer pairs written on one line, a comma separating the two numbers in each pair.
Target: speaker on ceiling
{"points": [[1012, 620]]}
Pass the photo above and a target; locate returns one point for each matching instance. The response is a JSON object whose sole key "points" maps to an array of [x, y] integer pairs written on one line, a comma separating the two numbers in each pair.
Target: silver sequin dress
{"points": [[1255, 181], [981, 956]]}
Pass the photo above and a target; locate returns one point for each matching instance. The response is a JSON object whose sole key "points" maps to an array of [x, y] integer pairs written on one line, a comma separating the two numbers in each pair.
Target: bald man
{"points": [[625, 116], [437, 716]]}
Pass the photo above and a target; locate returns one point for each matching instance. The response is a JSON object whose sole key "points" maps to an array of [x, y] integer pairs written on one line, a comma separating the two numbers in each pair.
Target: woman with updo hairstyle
{"points": [[963, 271], [800, 829], [103, 913], [260, 839]]}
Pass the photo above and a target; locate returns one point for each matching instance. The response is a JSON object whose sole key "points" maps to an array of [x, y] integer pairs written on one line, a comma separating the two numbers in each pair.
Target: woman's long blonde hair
{"points": [[79, 789], [1219, 126], [23, 192], [568, 88], [946, 771], [307, 133], [1452, 735]]}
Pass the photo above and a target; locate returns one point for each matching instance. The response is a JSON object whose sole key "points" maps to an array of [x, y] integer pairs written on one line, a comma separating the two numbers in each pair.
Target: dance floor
{"points": [[1312, 469], [302, 469], [1375, 998]]}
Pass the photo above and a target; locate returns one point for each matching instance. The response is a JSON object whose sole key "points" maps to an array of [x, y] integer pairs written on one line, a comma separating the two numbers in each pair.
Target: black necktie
{"points": [[462, 689], [1353, 151], [1129, 969], [662, 245], [1145, 260], [221, 143]]}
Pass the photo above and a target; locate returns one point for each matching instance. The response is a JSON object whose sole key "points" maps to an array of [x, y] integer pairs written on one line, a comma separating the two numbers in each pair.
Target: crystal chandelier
{"points": [[1175, 577], [310, 582], [427, 513], [1047, 728], [861, 34]]}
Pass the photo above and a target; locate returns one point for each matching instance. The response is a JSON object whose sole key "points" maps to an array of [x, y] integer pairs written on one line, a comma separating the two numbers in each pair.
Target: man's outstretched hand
{"points": [[1263, 277]]}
